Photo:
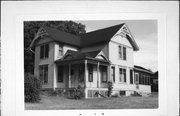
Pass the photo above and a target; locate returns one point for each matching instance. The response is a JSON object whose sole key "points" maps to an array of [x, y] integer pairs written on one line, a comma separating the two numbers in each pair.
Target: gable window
{"points": [[113, 73], [60, 74], [122, 75], [90, 77], [131, 76], [124, 53], [81, 73], [60, 52], [44, 51], [104, 74], [43, 73]]}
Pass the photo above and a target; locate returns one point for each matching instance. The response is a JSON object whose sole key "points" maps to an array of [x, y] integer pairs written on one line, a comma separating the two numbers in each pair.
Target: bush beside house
{"points": [[32, 88]]}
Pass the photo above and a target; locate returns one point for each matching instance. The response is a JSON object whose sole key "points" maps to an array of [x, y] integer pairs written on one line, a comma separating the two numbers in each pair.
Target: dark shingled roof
{"points": [[63, 37], [99, 36], [102, 36], [76, 55]]}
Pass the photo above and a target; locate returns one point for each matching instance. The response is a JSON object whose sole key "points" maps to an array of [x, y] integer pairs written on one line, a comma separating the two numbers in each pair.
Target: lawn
{"points": [[56, 102]]}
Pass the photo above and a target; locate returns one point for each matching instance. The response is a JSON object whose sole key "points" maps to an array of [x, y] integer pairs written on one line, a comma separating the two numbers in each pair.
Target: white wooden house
{"points": [[64, 60]]}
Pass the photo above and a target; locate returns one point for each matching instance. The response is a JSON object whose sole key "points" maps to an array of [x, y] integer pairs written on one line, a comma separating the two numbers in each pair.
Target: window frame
{"points": [[60, 50], [122, 75], [90, 72], [60, 78], [44, 69], [103, 73], [122, 52], [44, 51], [113, 72]]}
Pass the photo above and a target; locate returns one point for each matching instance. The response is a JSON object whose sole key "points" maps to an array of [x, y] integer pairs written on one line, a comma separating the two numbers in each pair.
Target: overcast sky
{"points": [[145, 35]]}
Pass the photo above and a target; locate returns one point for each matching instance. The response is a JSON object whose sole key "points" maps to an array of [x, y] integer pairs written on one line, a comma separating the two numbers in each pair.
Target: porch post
{"points": [[85, 78], [98, 79], [69, 75], [108, 74], [55, 77]]}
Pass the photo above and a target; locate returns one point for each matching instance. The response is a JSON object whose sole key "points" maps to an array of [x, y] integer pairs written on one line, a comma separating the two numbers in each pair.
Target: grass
{"points": [[55, 103]]}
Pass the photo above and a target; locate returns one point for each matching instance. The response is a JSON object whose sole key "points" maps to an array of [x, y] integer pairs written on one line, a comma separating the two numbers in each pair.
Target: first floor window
{"points": [[131, 76], [81, 73], [140, 78], [60, 74], [122, 75], [90, 68], [43, 73], [113, 73], [136, 78], [104, 74]]}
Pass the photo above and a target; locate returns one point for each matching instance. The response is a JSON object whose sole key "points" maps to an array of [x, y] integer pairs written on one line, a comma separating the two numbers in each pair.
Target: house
{"points": [[90, 60], [154, 82]]}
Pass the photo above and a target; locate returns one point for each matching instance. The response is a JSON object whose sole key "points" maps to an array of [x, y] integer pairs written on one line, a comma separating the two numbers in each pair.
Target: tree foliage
{"points": [[31, 28]]}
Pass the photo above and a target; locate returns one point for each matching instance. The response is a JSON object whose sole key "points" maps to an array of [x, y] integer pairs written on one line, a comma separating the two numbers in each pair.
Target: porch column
{"points": [[108, 74], [85, 78], [69, 75], [55, 77], [98, 79]]}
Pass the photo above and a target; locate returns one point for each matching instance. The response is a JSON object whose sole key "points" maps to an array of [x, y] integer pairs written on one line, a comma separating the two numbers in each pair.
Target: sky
{"points": [[145, 35]]}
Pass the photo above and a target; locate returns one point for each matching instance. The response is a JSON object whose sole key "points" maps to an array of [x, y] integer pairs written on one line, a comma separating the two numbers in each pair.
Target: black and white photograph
{"points": [[91, 64], [89, 58]]}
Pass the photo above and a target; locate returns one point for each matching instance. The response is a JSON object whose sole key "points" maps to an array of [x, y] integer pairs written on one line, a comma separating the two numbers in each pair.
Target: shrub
{"points": [[136, 94], [32, 88], [110, 87]]}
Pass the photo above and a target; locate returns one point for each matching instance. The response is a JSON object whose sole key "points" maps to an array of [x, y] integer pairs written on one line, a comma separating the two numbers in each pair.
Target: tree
{"points": [[31, 28]]}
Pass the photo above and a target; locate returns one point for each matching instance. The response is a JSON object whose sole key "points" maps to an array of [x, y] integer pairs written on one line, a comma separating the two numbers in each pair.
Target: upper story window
{"points": [[44, 51], [122, 52], [60, 52]]}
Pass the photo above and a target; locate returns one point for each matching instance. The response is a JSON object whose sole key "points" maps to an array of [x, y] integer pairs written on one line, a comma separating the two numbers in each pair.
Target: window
{"points": [[43, 73], [44, 51], [122, 75], [131, 76], [143, 79], [124, 53], [136, 78], [113, 73], [120, 52], [81, 73], [60, 51], [140, 78], [104, 74], [60, 74], [90, 68]]}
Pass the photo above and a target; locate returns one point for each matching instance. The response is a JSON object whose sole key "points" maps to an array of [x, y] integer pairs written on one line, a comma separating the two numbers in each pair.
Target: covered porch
{"points": [[91, 74]]}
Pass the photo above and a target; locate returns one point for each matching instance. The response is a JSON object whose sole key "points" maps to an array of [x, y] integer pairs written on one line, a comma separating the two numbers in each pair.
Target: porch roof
{"points": [[79, 57]]}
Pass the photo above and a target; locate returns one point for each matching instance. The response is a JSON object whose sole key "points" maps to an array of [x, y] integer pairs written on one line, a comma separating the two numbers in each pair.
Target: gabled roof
{"points": [[63, 37], [80, 55], [102, 36], [71, 55], [99, 36]]}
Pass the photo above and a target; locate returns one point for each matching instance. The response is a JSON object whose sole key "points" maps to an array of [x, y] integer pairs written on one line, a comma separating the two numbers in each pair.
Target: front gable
{"points": [[124, 37]]}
